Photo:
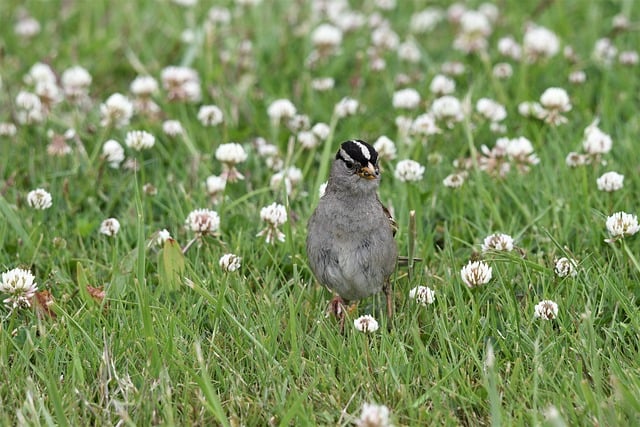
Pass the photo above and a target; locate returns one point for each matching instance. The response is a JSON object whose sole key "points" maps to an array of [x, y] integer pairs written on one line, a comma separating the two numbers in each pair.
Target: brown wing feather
{"points": [[402, 260], [392, 222]]}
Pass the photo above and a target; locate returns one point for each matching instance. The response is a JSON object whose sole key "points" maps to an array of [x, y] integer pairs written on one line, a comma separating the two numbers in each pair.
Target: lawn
{"points": [[159, 161]]}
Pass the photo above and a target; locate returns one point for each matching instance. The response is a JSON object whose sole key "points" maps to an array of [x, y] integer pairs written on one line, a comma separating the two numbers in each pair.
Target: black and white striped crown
{"points": [[357, 151]]}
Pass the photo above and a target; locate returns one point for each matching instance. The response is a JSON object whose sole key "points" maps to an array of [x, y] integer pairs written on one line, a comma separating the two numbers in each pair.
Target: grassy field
{"points": [[134, 329]]}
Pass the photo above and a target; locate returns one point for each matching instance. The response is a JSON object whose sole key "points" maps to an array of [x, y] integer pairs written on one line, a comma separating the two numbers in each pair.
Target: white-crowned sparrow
{"points": [[350, 241]]}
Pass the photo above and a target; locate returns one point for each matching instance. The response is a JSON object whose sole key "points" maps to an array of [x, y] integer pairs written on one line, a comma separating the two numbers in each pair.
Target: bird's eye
{"points": [[348, 164]]}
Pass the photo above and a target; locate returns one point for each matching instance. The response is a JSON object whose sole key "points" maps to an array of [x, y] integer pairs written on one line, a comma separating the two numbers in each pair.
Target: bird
{"points": [[350, 236]]}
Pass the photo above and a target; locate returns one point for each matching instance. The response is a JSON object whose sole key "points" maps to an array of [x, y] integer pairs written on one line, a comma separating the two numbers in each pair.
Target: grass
{"points": [[178, 341]]}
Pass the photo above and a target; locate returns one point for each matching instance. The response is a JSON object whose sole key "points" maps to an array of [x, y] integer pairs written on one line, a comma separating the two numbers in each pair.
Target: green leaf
{"points": [[171, 266], [83, 281]]}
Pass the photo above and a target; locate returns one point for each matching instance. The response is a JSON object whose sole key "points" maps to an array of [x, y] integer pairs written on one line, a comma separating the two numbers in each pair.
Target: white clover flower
{"points": [[185, 3], [422, 295], [531, 109], [475, 273], [248, 3], [219, 15], [162, 236], [498, 242], [215, 187], [21, 287], [376, 61], [453, 68], [366, 323], [281, 109], [49, 93], [203, 221], [409, 51], [274, 215], [577, 77], [497, 127], [604, 51], [265, 149], [290, 177], [29, 108], [230, 262], [502, 70], [149, 189], [275, 163], [489, 10], [403, 123], [424, 124], [139, 140], [144, 86], [564, 267], [517, 151], [385, 147], [323, 84], [574, 159], [555, 101], [570, 54], [622, 224], [491, 110], [346, 20], [326, 36], [8, 129], [39, 199], [110, 227], [210, 115], [447, 108], [298, 122], [629, 57], [113, 153], [595, 141], [555, 98], [519, 147], [230, 155], [307, 139], [383, 37], [473, 32], [131, 164], [406, 98], [425, 20], [473, 21], [409, 171], [507, 46], [172, 128], [346, 107], [181, 83], [116, 111], [546, 310], [374, 416], [27, 27], [321, 130], [620, 22], [75, 83], [539, 43], [40, 73], [454, 180], [442, 85], [610, 181], [386, 4]]}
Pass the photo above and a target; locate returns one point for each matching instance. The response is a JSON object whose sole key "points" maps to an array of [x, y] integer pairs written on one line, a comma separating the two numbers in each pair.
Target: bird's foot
{"points": [[339, 308]]}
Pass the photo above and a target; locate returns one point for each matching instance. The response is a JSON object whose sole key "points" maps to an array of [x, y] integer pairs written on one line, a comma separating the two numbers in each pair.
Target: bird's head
{"points": [[356, 167]]}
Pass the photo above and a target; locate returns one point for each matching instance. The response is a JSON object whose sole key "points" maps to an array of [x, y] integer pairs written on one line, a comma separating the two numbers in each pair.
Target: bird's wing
{"points": [[392, 222]]}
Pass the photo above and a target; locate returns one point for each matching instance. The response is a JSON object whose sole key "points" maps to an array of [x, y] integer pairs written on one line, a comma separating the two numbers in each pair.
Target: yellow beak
{"points": [[369, 172]]}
